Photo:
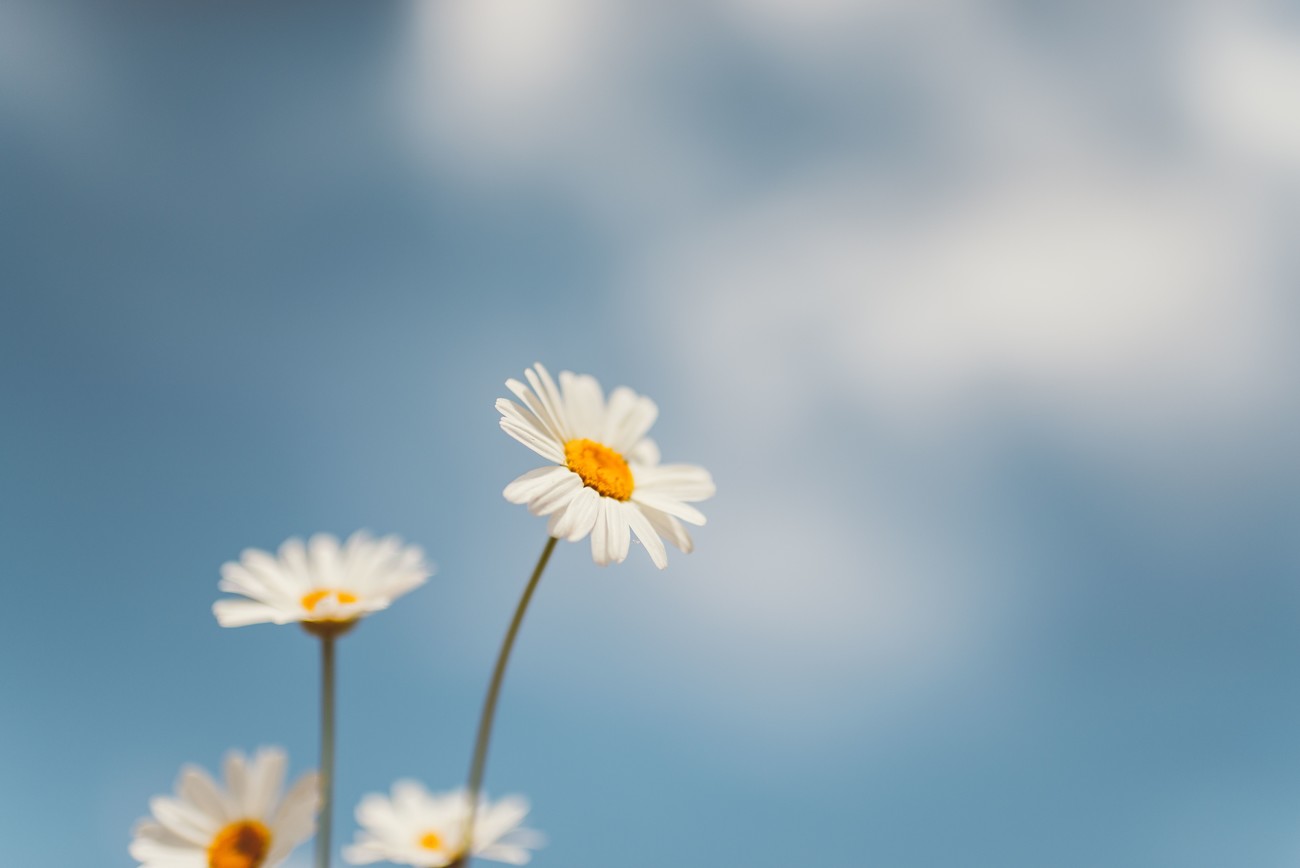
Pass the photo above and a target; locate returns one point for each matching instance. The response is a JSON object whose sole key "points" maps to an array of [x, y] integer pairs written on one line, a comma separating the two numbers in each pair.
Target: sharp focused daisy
{"points": [[416, 827], [244, 825], [606, 479], [320, 583]]}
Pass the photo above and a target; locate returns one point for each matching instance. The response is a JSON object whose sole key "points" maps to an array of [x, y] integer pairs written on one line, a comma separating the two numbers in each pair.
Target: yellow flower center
{"points": [[431, 841], [312, 600], [600, 467], [242, 844]]}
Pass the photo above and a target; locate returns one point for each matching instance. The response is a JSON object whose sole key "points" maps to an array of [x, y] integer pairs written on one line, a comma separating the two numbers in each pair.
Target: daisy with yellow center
{"points": [[327, 588], [245, 824], [606, 480], [427, 830], [322, 584]]}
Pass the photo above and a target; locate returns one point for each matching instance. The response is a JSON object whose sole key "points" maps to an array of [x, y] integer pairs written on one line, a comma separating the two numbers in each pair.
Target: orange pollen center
{"points": [[600, 467], [312, 600], [242, 844], [431, 841]]}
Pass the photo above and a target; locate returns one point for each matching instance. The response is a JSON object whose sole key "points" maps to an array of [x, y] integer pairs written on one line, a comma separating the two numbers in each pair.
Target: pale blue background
{"points": [[244, 295]]}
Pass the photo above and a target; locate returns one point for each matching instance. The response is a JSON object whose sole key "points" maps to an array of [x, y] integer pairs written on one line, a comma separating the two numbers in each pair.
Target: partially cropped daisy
{"points": [[243, 825], [321, 583], [416, 827], [606, 479]]}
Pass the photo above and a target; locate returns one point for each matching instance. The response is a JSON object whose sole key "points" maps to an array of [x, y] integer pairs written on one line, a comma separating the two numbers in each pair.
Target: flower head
{"points": [[606, 479], [321, 584], [416, 827], [244, 825]]}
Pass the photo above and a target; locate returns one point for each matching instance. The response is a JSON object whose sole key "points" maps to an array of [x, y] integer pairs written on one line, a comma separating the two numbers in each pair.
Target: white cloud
{"points": [[1240, 75], [501, 75], [1130, 317], [1130, 306]]}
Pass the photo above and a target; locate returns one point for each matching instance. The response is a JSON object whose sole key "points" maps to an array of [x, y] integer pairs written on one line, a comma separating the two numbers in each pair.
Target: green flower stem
{"points": [[326, 816], [479, 762]]}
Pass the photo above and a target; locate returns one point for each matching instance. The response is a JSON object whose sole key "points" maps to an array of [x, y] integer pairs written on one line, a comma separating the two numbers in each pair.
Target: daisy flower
{"points": [[320, 583], [416, 827], [606, 479], [244, 825]]}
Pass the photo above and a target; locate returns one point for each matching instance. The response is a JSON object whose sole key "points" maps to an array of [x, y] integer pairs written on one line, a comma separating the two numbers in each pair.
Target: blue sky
{"points": [[982, 316]]}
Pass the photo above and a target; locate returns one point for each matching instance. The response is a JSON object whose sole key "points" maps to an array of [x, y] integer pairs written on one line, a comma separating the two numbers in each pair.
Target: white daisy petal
{"points": [[211, 825], [326, 560], [676, 508], [669, 528], [601, 552], [645, 454], [183, 820], [416, 827], [293, 561], [525, 418], [584, 403], [296, 815], [535, 399], [322, 582], [543, 446], [241, 613], [237, 579], [273, 574], [607, 481], [582, 512], [629, 430], [558, 495], [265, 779], [621, 402], [551, 395], [620, 538], [529, 430], [155, 847], [199, 789], [645, 532], [533, 483], [535, 405], [684, 482]]}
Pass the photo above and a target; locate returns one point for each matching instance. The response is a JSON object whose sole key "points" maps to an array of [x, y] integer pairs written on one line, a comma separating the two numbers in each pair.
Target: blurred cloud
{"points": [[1040, 247], [1240, 75], [1134, 307]]}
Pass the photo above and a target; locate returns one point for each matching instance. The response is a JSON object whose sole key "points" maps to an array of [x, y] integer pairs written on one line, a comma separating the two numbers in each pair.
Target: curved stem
{"points": [[477, 765], [326, 815]]}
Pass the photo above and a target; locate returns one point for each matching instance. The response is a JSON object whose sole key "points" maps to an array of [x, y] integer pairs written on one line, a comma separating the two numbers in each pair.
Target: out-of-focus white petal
{"points": [[241, 613], [184, 830], [644, 454], [392, 827], [321, 581]]}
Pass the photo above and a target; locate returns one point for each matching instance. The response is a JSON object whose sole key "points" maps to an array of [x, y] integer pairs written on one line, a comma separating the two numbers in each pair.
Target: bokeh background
{"points": [[983, 315]]}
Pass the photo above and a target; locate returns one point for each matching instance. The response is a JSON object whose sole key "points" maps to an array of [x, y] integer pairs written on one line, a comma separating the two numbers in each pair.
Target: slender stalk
{"points": [[479, 762], [326, 816]]}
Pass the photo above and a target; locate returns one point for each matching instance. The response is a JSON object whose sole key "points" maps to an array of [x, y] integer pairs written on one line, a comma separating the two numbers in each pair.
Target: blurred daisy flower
{"points": [[606, 479], [321, 583], [416, 827], [244, 825]]}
